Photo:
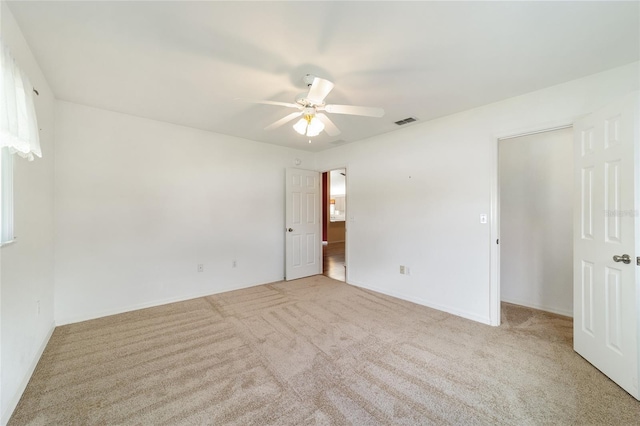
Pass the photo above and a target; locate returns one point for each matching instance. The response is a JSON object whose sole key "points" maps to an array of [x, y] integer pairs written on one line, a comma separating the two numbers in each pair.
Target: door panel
{"points": [[612, 201], [303, 227], [587, 203], [587, 298], [607, 224], [613, 310]]}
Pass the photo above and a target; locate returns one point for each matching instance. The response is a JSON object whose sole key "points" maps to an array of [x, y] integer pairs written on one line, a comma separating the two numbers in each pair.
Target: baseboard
{"points": [[130, 308], [428, 304], [13, 403], [562, 312]]}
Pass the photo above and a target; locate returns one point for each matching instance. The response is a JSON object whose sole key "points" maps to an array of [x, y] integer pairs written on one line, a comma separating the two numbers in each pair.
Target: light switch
{"points": [[483, 218]]}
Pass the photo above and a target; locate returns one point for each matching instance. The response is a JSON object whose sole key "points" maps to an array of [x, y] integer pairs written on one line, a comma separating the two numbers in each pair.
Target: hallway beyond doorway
{"points": [[333, 261]]}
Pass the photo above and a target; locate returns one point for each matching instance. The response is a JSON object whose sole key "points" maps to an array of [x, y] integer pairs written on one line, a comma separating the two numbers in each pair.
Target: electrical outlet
{"points": [[200, 267], [402, 269], [234, 264]]}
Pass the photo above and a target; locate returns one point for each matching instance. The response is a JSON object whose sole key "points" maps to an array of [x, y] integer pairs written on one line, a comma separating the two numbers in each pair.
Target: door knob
{"points": [[624, 259], [291, 230]]}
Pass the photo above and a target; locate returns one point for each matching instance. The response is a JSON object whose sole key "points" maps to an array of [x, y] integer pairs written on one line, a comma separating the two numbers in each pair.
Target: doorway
{"points": [[536, 220], [334, 233], [605, 312], [523, 231]]}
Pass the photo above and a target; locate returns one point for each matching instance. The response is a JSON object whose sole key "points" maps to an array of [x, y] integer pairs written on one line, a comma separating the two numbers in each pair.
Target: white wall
{"points": [[26, 266], [536, 221], [338, 182], [140, 203], [423, 211]]}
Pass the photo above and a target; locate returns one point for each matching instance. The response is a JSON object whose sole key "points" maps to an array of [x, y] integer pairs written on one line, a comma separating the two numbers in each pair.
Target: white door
{"points": [[607, 226], [303, 224]]}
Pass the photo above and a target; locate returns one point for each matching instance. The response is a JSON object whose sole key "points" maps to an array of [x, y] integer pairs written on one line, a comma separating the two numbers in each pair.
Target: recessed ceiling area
{"points": [[187, 62]]}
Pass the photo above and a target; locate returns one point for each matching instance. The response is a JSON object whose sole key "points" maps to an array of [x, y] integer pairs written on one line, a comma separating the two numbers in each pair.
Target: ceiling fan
{"points": [[311, 107]]}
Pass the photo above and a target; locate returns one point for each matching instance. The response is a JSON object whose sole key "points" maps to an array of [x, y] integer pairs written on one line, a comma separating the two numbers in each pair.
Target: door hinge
{"points": [[638, 260]]}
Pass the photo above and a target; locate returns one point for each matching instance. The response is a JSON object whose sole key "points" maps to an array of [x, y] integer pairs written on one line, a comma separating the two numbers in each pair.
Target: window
{"points": [[18, 133], [6, 196]]}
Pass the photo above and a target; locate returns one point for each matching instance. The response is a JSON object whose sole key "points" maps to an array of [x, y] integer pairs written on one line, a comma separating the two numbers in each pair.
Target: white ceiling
{"points": [[186, 62]]}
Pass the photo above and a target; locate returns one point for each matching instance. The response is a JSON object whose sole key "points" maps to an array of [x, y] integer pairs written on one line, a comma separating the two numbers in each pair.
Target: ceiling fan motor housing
{"points": [[305, 102]]}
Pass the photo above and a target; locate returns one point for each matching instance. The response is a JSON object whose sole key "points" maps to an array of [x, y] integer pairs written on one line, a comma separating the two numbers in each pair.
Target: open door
{"points": [[607, 241], [303, 242]]}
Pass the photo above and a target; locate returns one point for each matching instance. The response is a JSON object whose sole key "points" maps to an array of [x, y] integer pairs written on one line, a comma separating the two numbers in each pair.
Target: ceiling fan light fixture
{"points": [[301, 126], [309, 125], [315, 127]]}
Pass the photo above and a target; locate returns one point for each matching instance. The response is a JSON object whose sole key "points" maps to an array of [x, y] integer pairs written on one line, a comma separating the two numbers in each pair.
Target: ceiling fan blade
{"points": [[283, 120], [284, 104], [329, 127], [320, 88], [354, 110]]}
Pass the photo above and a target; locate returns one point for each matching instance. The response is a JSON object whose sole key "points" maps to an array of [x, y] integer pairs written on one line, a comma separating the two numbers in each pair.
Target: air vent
{"points": [[338, 142], [406, 121]]}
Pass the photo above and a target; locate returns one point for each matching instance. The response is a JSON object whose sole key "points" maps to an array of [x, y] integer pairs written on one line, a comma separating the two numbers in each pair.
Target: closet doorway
{"points": [[334, 235], [536, 220]]}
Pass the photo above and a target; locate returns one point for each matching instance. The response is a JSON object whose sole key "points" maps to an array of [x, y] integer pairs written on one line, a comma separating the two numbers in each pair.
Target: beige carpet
{"points": [[317, 351]]}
